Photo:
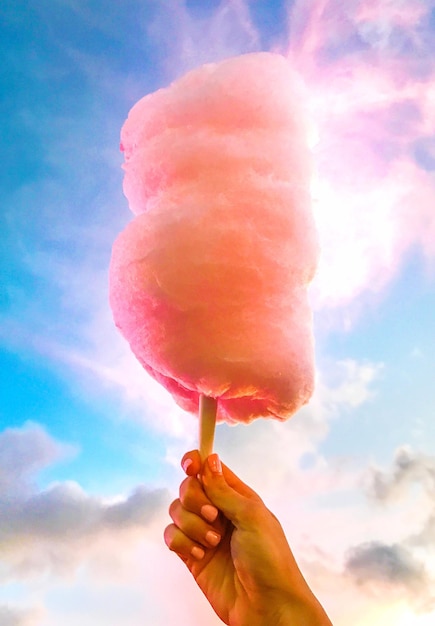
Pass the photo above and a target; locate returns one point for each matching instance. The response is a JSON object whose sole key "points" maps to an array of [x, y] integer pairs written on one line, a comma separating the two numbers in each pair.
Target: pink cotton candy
{"points": [[208, 282]]}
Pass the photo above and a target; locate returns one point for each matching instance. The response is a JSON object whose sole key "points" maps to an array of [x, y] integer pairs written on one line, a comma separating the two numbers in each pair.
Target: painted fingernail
{"points": [[197, 553], [212, 538], [186, 464], [209, 512], [214, 464]]}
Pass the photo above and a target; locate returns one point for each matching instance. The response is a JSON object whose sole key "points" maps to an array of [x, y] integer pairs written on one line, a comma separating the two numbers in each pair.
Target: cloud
{"points": [[65, 512], [425, 537], [402, 567], [285, 464], [370, 86], [348, 383], [409, 467], [410, 481], [49, 530], [187, 39], [391, 569], [392, 564], [11, 616], [84, 557], [23, 452]]}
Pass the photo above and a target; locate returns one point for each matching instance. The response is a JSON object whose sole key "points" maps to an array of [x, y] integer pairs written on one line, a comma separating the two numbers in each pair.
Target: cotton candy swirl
{"points": [[208, 283]]}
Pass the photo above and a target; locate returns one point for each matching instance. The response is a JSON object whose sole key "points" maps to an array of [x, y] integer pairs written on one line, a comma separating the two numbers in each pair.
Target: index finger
{"points": [[191, 463]]}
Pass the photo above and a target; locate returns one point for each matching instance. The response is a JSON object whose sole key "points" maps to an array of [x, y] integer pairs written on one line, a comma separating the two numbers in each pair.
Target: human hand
{"points": [[237, 551]]}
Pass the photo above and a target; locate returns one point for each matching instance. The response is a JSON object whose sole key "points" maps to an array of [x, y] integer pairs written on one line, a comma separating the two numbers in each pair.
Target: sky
{"points": [[90, 445]]}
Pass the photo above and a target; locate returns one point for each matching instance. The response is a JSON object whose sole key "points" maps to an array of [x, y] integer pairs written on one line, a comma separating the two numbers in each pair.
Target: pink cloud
{"points": [[371, 106], [406, 13]]}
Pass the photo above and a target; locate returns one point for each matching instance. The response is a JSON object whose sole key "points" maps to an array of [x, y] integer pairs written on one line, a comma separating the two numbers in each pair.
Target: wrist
{"points": [[290, 610], [303, 610]]}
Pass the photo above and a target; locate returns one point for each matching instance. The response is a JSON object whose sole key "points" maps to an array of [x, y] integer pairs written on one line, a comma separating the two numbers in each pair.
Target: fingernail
{"points": [[209, 512], [186, 463], [214, 464], [212, 538], [197, 553]]}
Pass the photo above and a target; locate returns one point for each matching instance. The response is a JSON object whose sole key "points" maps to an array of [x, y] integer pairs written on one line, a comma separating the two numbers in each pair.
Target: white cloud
{"points": [[62, 532], [13, 616], [86, 558], [23, 452], [48, 531], [409, 468], [189, 41]]}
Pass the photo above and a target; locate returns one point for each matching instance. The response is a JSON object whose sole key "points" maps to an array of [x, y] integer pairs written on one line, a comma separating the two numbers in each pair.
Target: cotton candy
{"points": [[208, 282]]}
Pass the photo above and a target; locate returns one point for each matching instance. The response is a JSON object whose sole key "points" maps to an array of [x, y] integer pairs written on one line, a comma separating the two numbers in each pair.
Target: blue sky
{"points": [[89, 445]]}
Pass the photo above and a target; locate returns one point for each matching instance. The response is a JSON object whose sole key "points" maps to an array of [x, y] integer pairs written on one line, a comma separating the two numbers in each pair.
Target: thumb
{"points": [[228, 493]]}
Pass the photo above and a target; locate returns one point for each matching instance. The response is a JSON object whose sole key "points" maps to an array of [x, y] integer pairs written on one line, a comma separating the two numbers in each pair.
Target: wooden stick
{"points": [[207, 422]]}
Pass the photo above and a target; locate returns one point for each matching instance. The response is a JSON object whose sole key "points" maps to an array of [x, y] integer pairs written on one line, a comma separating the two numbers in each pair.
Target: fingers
{"points": [[193, 526], [238, 502], [180, 543], [194, 499], [191, 493], [190, 535], [222, 489], [197, 527], [208, 488], [191, 463]]}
